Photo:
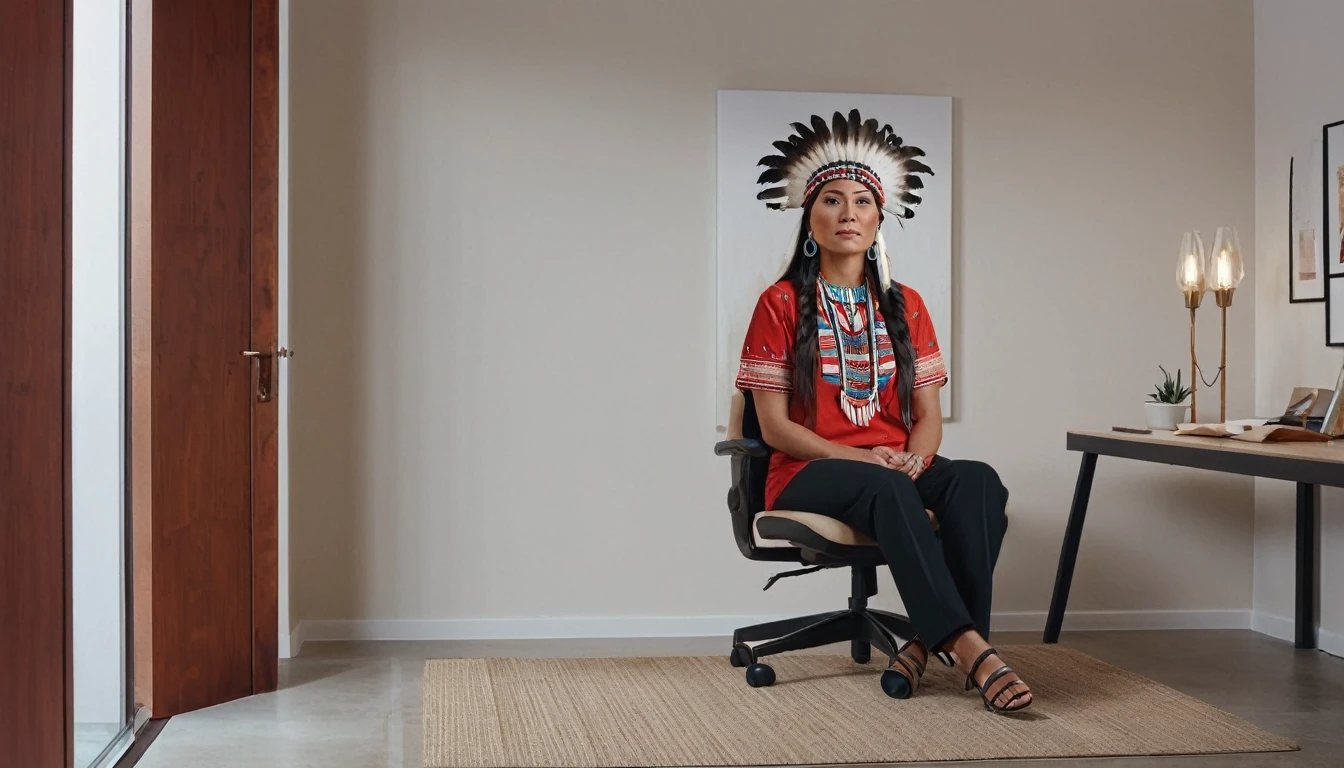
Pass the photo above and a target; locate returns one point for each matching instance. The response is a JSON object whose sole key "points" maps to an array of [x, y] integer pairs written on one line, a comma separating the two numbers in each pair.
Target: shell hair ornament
{"points": [[849, 148]]}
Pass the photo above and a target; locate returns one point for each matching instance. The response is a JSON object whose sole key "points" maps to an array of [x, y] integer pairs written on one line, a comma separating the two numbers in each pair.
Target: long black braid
{"points": [[803, 272], [891, 301], [805, 349]]}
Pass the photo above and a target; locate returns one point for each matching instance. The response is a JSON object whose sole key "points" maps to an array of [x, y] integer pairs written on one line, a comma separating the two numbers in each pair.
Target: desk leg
{"points": [[1306, 566], [1073, 535]]}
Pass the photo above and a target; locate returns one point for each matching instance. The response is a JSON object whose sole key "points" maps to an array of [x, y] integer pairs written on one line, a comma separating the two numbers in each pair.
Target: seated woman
{"points": [[845, 371]]}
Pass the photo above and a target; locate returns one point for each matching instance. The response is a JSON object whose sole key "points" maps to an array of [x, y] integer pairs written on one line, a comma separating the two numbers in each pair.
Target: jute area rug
{"points": [[823, 710]]}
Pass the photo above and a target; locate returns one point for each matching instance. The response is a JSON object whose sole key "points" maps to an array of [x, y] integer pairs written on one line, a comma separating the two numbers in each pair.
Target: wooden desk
{"points": [[1307, 464]]}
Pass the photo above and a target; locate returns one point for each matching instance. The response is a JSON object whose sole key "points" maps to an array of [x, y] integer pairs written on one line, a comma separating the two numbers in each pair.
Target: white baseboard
{"points": [[291, 642], [1330, 642], [551, 628], [707, 626], [1111, 621], [1284, 628], [1274, 626]]}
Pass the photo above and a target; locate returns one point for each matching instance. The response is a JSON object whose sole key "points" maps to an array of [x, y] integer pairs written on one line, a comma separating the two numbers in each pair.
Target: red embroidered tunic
{"points": [[766, 365]]}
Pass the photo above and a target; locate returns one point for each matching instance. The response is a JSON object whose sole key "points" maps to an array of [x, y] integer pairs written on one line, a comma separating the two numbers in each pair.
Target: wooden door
{"points": [[204, 164], [203, 242], [36, 697]]}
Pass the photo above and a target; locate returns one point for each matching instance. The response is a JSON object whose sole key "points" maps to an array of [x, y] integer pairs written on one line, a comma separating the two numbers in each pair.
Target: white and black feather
{"points": [[847, 139]]}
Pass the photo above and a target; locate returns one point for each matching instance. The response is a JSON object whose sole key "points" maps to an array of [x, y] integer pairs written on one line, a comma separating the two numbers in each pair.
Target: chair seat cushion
{"points": [[782, 528]]}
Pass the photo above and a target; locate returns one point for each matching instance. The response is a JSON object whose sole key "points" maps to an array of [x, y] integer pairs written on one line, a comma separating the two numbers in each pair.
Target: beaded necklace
{"points": [[858, 399]]}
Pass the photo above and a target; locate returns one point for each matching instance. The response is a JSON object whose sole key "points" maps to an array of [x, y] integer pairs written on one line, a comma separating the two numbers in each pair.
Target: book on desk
{"points": [[1306, 419], [1266, 432]]}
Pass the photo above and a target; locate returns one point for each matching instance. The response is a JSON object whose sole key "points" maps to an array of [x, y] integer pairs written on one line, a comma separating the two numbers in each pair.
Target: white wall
{"points": [[502, 234], [1298, 88], [97, 353]]}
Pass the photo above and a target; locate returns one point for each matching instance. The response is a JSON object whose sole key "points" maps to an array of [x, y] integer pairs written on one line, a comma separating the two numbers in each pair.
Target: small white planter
{"points": [[1166, 416]]}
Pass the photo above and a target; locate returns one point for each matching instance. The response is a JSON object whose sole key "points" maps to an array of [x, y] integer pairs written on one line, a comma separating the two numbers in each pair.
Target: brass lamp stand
{"points": [[1223, 297], [1192, 302], [1227, 272], [1192, 275]]}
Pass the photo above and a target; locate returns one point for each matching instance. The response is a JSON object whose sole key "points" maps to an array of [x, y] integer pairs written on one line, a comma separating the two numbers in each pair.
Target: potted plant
{"points": [[1167, 409]]}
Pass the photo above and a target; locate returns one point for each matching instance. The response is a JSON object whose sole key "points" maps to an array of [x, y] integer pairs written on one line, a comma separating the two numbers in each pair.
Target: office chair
{"points": [[814, 540]]}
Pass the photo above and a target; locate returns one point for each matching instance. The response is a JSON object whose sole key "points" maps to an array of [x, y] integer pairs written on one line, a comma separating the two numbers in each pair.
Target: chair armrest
{"points": [[739, 447]]}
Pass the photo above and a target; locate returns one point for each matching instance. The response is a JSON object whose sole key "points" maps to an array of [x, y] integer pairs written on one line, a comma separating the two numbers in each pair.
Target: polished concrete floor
{"points": [[91, 740], [358, 704]]}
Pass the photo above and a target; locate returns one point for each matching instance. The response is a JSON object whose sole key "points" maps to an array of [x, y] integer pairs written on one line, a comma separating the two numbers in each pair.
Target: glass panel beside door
{"points": [[98, 391]]}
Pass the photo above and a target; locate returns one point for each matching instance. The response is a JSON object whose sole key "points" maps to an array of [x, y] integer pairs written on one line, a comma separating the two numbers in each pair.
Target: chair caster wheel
{"points": [[740, 657], [895, 685], [861, 657], [760, 675]]}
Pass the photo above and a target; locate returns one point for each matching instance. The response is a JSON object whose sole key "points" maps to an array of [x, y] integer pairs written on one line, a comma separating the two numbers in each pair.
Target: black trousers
{"points": [[945, 578]]}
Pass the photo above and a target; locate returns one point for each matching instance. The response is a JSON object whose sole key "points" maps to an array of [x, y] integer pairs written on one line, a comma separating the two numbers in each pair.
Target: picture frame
{"points": [[1306, 274], [753, 243], [1334, 311], [1332, 218], [1333, 422]]}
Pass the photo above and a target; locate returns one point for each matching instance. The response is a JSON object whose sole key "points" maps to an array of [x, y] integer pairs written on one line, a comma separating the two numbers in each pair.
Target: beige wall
{"points": [[502, 247], [1297, 90]]}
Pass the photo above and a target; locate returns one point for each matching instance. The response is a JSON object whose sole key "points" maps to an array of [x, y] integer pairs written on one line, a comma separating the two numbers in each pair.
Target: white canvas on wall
{"points": [[754, 242]]}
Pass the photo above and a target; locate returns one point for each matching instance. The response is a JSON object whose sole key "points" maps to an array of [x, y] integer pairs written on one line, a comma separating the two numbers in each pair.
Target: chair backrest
{"points": [[744, 425], [746, 496]]}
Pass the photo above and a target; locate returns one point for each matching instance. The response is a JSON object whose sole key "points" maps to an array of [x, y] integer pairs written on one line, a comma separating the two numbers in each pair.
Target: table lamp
{"points": [[1227, 271], [1191, 279]]}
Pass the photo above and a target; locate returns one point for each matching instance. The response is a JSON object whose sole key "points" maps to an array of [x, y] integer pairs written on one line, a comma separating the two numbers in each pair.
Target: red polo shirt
{"points": [[766, 365]]}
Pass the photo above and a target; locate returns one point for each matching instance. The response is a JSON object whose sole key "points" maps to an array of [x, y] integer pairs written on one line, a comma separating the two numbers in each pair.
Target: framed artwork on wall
{"points": [[754, 243], [1306, 275], [1334, 311], [1332, 217]]}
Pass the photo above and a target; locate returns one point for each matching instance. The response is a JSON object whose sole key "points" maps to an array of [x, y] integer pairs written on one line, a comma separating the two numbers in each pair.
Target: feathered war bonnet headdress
{"points": [[850, 148]]}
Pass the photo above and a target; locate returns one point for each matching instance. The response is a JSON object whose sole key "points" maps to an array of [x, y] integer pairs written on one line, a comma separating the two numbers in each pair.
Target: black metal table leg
{"points": [[1068, 556], [1305, 622]]}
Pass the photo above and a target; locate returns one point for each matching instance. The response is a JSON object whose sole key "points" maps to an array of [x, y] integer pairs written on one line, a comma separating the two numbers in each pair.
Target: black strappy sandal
{"points": [[897, 685], [1006, 707]]}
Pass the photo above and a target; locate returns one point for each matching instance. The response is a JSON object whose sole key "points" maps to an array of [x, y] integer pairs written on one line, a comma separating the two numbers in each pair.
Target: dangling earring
{"points": [[809, 246], [872, 252]]}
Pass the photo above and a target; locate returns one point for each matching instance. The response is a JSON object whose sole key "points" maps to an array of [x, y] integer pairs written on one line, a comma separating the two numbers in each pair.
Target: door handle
{"points": [[282, 352], [265, 371]]}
